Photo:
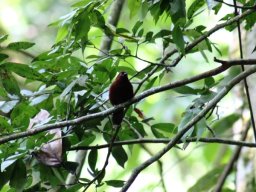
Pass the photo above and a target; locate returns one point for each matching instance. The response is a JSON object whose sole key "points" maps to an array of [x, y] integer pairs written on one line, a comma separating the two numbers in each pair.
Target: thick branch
{"points": [[180, 134]]}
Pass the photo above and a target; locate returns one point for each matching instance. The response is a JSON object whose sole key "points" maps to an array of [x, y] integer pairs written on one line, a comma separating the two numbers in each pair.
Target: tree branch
{"points": [[42, 128], [164, 141], [180, 134]]}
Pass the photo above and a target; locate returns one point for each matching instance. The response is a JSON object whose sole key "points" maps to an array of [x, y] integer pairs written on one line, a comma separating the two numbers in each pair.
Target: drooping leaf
{"points": [[19, 176], [92, 159], [194, 7], [120, 155], [178, 39]]}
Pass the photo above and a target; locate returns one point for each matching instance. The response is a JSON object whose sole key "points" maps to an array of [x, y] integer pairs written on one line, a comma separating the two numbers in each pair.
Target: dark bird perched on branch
{"points": [[120, 91]]}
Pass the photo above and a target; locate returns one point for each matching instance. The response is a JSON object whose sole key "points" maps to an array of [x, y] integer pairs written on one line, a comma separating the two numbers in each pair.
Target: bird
{"points": [[120, 91]]}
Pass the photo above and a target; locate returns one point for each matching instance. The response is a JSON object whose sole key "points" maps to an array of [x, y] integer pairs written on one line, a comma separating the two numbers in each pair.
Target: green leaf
{"points": [[62, 33], [24, 70], [10, 160], [167, 127], [20, 45], [120, 155], [162, 33], [178, 39], [200, 127], [3, 38], [92, 159], [115, 183], [186, 90], [208, 181], [88, 139], [4, 125], [136, 27], [151, 83], [225, 123], [209, 82], [179, 10], [157, 133], [194, 7], [83, 26], [9, 83], [149, 36], [21, 115], [3, 57], [134, 7], [19, 176], [122, 30]]}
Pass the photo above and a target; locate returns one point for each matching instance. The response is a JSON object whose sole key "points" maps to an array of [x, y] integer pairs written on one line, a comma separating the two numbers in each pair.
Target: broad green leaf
{"points": [[21, 115], [200, 127], [149, 36], [4, 125], [9, 83], [115, 183], [178, 39], [19, 176], [134, 7], [162, 33], [186, 90], [83, 26], [136, 27], [157, 133], [166, 127], [225, 123], [194, 7], [20, 45], [208, 181], [92, 159], [122, 30], [88, 139], [179, 10], [120, 155], [3, 57], [62, 33], [151, 83], [209, 82]]}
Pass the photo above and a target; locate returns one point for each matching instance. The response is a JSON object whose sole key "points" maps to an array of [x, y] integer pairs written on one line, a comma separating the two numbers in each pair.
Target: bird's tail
{"points": [[118, 117]]}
